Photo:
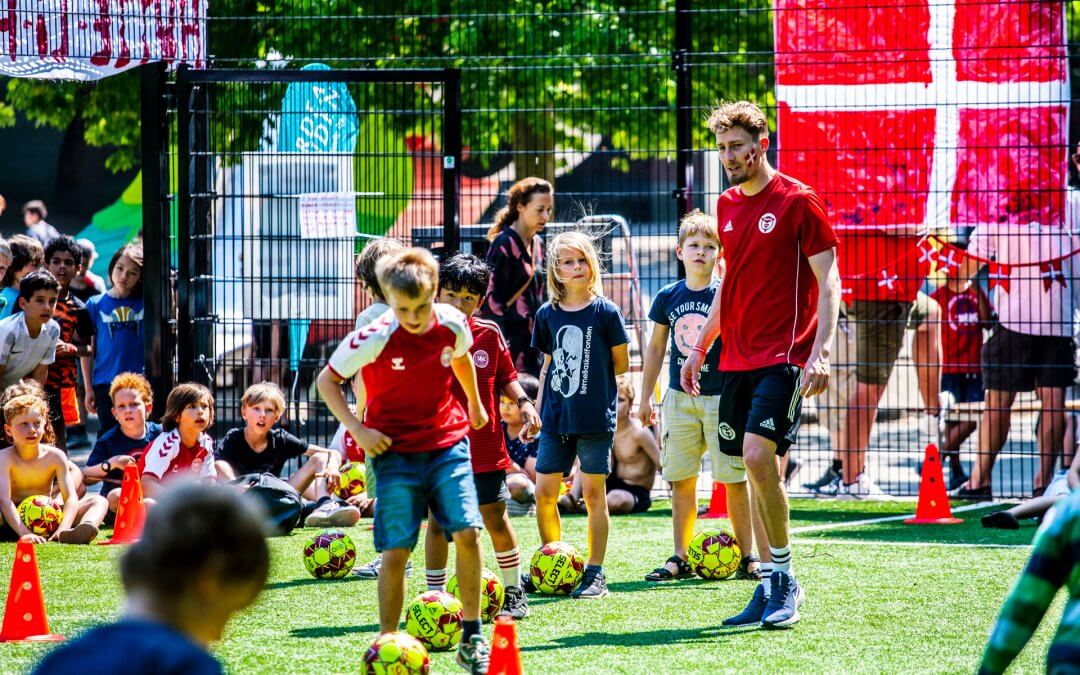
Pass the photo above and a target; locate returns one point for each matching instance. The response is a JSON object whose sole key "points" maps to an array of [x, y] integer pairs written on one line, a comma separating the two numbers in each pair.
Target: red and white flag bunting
{"points": [[921, 115]]}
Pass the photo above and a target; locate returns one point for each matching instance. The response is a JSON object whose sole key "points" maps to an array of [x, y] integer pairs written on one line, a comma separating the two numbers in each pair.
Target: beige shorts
{"points": [[691, 427], [833, 404]]}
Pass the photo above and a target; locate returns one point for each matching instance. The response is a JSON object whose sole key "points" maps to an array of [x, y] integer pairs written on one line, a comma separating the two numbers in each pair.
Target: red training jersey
{"points": [[961, 330], [768, 303], [408, 378], [494, 370]]}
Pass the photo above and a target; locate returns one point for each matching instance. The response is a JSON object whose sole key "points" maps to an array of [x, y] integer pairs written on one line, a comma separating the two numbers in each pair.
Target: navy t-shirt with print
{"points": [[118, 331], [115, 442], [130, 646], [580, 395], [684, 312]]}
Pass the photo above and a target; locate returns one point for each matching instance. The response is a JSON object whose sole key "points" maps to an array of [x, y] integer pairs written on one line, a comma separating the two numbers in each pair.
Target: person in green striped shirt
{"points": [[1055, 562]]}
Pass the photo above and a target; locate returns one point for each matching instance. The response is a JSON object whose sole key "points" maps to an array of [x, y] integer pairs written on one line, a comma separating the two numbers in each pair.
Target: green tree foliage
{"points": [[537, 74]]}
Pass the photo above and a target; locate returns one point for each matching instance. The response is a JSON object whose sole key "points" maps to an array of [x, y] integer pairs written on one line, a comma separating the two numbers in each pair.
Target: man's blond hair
{"points": [[742, 114], [261, 392], [411, 272], [698, 224]]}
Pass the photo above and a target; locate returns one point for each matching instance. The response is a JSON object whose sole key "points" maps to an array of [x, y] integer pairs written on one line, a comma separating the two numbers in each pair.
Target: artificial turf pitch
{"points": [[881, 597]]}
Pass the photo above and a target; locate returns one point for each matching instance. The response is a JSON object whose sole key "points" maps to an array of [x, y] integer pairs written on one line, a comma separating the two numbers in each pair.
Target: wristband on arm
{"points": [[699, 349]]}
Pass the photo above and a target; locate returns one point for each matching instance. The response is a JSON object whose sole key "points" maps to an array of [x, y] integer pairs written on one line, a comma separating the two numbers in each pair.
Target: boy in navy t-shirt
{"points": [[132, 400], [202, 558], [692, 424]]}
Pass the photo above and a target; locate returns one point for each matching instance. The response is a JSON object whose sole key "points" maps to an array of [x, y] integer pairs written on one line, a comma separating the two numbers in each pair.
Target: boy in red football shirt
{"points": [[463, 282], [965, 310], [415, 432], [780, 250]]}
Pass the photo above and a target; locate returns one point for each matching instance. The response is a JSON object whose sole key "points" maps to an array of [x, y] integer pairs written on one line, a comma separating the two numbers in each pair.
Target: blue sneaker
{"points": [[784, 600], [755, 609]]}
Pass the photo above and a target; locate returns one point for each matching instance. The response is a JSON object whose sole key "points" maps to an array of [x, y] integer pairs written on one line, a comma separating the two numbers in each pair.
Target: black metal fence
{"points": [[607, 100]]}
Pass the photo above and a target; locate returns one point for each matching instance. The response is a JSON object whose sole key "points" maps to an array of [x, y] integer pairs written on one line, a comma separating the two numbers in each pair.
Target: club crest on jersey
{"points": [[767, 223], [397, 363], [481, 359], [447, 356]]}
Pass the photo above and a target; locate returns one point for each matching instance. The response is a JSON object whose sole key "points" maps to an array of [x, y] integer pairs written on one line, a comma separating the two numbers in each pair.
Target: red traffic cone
{"points": [[933, 507], [505, 656], [130, 512], [717, 503], [24, 615]]}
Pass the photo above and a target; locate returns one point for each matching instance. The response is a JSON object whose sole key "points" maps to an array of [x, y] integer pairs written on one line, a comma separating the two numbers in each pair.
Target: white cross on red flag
{"points": [[922, 115]]}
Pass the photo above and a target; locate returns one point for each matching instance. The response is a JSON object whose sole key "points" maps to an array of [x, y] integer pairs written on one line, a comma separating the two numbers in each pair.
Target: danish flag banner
{"points": [[918, 116], [92, 39]]}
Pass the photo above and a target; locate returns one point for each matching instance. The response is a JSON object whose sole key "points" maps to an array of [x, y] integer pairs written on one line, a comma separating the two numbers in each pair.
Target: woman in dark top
{"points": [[517, 287]]}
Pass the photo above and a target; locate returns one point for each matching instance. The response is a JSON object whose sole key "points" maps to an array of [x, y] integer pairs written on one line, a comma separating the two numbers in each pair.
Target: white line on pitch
{"points": [[910, 544], [885, 519]]}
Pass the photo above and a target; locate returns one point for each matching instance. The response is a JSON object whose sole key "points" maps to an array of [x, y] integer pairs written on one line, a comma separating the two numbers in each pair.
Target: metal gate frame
{"points": [[175, 358]]}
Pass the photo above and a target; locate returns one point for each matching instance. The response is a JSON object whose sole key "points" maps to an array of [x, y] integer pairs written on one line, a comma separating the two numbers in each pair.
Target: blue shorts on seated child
{"points": [[410, 483], [557, 452]]}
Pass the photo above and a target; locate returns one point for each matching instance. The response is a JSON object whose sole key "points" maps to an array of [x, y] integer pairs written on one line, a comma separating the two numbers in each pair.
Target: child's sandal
{"points": [[664, 574]]}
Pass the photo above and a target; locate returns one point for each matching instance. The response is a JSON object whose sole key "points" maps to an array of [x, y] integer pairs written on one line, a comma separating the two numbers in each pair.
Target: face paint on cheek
{"points": [[751, 157]]}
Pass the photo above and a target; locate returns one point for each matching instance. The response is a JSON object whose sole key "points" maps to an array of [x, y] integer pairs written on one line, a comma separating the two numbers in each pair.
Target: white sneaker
{"points": [[333, 514], [862, 488]]}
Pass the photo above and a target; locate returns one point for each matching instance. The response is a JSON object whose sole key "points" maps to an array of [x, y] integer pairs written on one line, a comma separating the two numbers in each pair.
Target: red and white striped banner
{"points": [[91, 39], [922, 115]]}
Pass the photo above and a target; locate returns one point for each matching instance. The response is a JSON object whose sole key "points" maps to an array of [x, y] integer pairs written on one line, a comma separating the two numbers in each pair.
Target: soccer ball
{"points": [[396, 653], [353, 480], [714, 554], [40, 514], [434, 618], [556, 568], [330, 554], [492, 594]]}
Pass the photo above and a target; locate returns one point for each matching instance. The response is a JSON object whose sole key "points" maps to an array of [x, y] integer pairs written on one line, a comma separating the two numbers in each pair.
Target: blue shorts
{"points": [[965, 387], [410, 483], [557, 452]]}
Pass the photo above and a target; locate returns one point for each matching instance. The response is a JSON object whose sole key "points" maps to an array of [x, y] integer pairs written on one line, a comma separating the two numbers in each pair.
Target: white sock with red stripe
{"points": [[509, 567], [436, 580]]}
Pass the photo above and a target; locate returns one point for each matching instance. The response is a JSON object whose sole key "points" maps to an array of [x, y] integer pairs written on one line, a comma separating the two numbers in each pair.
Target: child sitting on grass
{"points": [[185, 447], [30, 467], [262, 447], [1063, 484], [522, 452], [202, 558], [132, 402]]}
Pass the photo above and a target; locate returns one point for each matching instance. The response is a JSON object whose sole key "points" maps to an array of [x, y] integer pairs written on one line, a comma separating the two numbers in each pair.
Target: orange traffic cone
{"points": [[24, 615], [933, 507], [505, 652], [717, 503], [130, 512]]}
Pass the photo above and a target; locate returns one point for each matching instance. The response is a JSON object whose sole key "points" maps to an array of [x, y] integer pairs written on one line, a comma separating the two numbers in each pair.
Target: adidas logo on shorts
{"points": [[768, 424], [728, 227]]}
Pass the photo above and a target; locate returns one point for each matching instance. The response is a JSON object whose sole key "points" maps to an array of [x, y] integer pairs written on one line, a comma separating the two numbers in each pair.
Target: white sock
{"points": [[509, 567], [436, 579], [781, 558], [766, 577]]}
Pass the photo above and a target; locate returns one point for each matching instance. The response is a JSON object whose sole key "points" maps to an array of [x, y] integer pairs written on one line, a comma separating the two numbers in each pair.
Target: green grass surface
{"points": [[877, 601]]}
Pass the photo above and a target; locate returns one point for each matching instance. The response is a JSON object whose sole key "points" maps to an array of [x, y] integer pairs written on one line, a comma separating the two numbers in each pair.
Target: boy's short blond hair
{"points": [[264, 391], [133, 381], [411, 272], [368, 259], [20, 405], [625, 387], [698, 224]]}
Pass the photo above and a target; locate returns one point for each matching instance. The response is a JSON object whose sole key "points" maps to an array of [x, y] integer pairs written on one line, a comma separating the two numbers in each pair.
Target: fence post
{"points": [[185, 358], [451, 168], [684, 137]]}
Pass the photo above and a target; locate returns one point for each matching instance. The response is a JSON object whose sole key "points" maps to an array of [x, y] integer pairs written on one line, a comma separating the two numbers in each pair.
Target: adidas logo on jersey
{"points": [[729, 227], [397, 363], [768, 424]]}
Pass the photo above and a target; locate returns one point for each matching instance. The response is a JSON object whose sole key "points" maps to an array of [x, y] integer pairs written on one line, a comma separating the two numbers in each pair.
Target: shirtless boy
{"points": [[30, 467]]}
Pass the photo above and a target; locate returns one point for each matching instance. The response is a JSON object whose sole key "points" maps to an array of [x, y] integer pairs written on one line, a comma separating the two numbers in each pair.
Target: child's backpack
{"points": [[280, 501]]}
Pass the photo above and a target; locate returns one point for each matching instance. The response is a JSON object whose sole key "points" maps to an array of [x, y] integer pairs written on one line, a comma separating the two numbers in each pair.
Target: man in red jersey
{"points": [[463, 283], [780, 250]]}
